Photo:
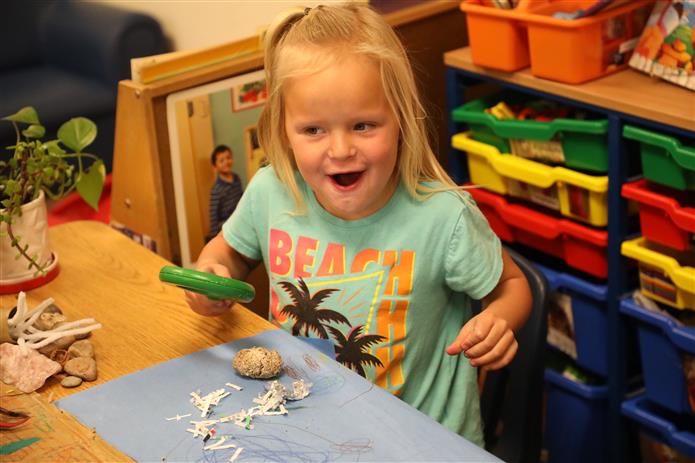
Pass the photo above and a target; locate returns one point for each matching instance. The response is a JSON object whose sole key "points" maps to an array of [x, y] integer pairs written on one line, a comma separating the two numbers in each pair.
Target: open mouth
{"points": [[346, 179]]}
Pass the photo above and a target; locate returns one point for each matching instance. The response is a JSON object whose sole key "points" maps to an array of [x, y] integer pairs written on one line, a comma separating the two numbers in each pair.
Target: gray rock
{"points": [[52, 309], [83, 335], [83, 367], [82, 348], [71, 381], [60, 343]]}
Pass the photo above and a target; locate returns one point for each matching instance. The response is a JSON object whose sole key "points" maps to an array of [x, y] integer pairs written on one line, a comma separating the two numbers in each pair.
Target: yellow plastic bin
{"points": [[663, 277], [579, 196]]}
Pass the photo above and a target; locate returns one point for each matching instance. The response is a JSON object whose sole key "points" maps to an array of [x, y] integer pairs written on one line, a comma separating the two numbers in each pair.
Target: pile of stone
{"points": [[70, 357]]}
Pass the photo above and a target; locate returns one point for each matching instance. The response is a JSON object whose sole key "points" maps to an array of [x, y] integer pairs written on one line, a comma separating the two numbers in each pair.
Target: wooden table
{"points": [[108, 277]]}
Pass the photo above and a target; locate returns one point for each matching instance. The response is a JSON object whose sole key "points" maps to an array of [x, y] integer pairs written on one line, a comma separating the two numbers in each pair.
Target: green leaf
{"points": [[89, 184], [77, 133], [11, 187], [34, 131], [53, 147], [26, 115]]}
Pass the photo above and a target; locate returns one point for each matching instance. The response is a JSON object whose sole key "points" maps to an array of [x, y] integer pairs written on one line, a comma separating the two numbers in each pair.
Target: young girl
{"points": [[366, 240]]}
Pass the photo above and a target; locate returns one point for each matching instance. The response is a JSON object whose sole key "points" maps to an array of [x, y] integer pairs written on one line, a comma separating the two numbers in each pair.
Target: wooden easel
{"points": [[142, 196]]}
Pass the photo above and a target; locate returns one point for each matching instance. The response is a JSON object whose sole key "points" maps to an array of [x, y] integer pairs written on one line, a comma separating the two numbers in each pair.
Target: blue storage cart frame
{"points": [[457, 81]]}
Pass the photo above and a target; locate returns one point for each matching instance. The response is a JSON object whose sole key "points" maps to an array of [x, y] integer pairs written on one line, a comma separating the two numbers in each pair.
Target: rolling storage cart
{"points": [[595, 275]]}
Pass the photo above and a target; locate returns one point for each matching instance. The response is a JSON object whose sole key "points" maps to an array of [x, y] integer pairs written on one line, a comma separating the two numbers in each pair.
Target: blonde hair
{"points": [[302, 42]]}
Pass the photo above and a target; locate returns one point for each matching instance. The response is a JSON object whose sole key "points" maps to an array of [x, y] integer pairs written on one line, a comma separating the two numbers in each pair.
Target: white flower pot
{"points": [[32, 227]]}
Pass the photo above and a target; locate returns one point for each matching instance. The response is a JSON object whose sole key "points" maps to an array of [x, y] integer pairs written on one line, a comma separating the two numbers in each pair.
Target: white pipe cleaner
{"points": [[26, 335]]}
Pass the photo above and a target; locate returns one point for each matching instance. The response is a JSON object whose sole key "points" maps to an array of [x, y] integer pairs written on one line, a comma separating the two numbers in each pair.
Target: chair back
{"points": [[512, 398]]}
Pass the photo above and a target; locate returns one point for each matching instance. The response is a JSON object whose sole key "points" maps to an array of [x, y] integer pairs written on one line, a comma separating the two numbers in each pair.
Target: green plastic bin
{"points": [[583, 142], [664, 159]]}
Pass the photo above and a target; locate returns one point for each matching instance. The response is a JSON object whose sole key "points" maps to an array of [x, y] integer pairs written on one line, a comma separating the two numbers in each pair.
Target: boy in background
{"points": [[226, 191]]}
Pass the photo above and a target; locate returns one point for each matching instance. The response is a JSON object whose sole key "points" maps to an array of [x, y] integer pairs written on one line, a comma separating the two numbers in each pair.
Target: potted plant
{"points": [[30, 170]]}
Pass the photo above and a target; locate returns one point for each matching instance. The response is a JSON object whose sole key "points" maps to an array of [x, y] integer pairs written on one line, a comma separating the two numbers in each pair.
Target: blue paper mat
{"points": [[345, 418]]}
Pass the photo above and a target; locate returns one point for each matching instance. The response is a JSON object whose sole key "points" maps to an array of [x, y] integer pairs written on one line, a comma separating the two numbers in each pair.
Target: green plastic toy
{"points": [[213, 286]]}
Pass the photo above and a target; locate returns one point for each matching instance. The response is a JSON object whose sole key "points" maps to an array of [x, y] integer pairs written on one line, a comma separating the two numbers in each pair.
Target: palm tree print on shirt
{"points": [[350, 350], [306, 311], [308, 315]]}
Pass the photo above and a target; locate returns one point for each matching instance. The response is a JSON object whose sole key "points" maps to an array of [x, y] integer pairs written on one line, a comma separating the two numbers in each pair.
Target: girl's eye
{"points": [[312, 131], [362, 126]]}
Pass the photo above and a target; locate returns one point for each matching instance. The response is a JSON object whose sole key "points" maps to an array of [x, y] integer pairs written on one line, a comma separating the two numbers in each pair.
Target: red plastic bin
{"points": [[665, 217], [579, 246]]}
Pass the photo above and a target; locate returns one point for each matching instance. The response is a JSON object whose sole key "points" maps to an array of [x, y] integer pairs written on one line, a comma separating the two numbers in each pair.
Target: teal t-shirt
{"points": [[391, 290]]}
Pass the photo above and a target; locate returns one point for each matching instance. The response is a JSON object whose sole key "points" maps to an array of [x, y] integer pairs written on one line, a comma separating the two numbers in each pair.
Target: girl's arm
{"points": [[488, 338], [219, 258]]}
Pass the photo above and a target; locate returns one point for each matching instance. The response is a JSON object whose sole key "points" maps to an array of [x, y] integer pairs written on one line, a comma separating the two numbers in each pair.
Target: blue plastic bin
{"points": [[662, 343], [589, 314], [575, 423], [658, 427]]}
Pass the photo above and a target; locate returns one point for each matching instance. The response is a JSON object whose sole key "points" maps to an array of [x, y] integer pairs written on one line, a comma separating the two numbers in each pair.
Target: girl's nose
{"points": [[341, 147]]}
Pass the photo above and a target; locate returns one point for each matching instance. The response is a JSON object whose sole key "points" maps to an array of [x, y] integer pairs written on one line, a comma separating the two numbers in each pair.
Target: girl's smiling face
{"points": [[344, 136]]}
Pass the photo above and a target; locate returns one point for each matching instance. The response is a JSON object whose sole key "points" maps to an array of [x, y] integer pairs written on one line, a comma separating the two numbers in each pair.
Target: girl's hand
{"points": [[486, 340], [202, 304]]}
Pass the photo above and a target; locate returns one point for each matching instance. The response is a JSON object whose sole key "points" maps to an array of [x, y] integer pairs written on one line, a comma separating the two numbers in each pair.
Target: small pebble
{"points": [[53, 309], [82, 348], [84, 367], [71, 381], [48, 321]]}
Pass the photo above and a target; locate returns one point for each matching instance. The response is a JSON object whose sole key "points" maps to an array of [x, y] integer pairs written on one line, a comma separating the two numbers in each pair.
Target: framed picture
{"points": [[250, 94], [200, 119]]}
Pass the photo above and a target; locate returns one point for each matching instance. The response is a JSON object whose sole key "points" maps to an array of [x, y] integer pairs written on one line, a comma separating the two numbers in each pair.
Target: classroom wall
{"points": [[228, 128], [191, 24]]}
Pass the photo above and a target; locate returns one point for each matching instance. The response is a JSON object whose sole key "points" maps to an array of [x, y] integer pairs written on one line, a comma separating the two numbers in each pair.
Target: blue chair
{"points": [[65, 58], [511, 401]]}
